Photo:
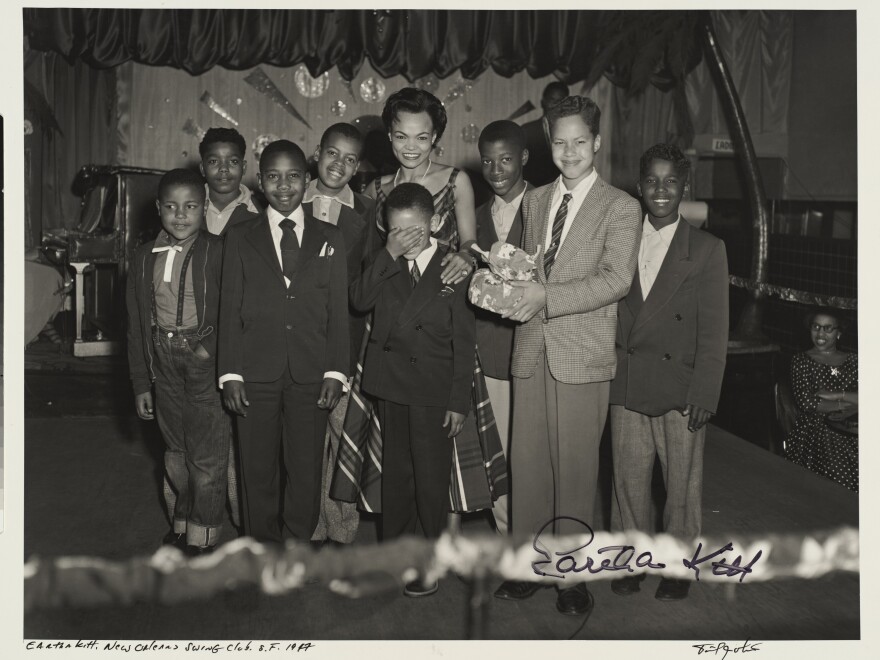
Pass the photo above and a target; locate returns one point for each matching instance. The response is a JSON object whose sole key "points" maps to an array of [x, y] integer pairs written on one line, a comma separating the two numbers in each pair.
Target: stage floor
{"points": [[93, 474]]}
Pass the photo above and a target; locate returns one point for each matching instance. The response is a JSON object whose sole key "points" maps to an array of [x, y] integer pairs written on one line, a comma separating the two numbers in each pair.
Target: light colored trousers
{"points": [[635, 440]]}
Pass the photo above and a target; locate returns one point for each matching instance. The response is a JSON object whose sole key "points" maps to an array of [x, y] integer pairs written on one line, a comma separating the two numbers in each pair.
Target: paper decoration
{"points": [[28, 127], [458, 90], [347, 84], [470, 133], [192, 128], [524, 109], [260, 143], [338, 108], [209, 101], [239, 101], [310, 87], [373, 90], [263, 84]]}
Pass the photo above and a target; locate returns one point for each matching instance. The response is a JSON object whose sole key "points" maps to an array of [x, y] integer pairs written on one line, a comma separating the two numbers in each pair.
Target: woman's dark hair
{"points": [[413, 100], [813, 312]]}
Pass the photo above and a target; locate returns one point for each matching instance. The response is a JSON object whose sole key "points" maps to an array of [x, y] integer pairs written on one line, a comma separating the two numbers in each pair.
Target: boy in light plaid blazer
{"points": [[564, 358]]}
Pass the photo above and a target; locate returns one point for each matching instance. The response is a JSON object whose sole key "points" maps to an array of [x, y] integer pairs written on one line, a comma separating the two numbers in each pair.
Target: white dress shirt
{"points": [[652, 250], [215, 219], [578, 194], [275, 219], [503, 214], [327, 207], [424, 257]]}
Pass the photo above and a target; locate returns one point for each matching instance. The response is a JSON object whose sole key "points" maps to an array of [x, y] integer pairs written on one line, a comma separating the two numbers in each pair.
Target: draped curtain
{"points": [[409, 43]]}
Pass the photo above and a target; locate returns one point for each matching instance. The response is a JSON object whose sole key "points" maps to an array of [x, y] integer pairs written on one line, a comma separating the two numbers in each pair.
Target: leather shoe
{"points": [[670, 589], [514, 590], [175, 539], [418, 588], [575, 601], [198, 551], [628, 585]]}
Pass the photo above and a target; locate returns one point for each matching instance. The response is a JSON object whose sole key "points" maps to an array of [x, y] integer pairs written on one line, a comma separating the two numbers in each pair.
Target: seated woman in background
{"points": [[825, 384]]}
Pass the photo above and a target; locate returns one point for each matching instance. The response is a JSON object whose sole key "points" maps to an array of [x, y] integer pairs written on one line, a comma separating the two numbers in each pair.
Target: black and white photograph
{"points": [[412, 327]]}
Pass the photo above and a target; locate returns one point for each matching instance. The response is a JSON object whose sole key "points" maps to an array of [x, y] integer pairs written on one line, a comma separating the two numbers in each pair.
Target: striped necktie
{"points": [[556, 236], [415, 274], [289, 248]]}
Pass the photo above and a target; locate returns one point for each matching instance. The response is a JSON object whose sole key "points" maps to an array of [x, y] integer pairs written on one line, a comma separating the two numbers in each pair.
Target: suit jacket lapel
{"points": [[260, 237], [633, 299], [351, 222], [486, 234], [673, 271], [583, 225], [515, 235], [541, 226], [313, 240], [425, 291]]}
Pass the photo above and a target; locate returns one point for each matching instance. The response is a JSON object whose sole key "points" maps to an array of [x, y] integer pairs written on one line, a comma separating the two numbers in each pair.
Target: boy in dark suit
{"points": [[564, 360], [671, 350], [503, 155], [223, 164], [283, 352], [418, 365], [172, 298], [330, 199]]}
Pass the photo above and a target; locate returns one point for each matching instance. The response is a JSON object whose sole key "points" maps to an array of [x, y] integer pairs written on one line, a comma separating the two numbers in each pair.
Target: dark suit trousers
{"points": [[416, 464], [283, 427]]}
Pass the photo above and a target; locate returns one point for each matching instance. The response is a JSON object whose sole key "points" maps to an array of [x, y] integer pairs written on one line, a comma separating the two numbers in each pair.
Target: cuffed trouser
{"points": [[197, 434], [499, 397], [635, 440]]}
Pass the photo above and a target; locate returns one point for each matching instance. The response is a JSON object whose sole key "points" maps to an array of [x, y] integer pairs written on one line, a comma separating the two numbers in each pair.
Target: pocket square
{"points": [[326, 250], [446, 291]]}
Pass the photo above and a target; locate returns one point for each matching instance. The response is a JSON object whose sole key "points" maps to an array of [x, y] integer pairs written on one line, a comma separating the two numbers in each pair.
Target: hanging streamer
{"points": [[458, 90], [190, 127], [264, 84], [209, 101], [524, 109]]}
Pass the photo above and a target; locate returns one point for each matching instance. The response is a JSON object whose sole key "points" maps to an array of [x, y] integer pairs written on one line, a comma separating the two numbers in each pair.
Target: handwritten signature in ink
{"points": [[721, 647], [558, 563]]}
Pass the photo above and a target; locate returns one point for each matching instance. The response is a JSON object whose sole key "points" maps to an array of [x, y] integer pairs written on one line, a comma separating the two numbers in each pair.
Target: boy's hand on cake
{"points": [[456, 267], [533, 300], [235, 398], [143, 403], [331, 390], [697, 417], [401, 241], [455, 422]]}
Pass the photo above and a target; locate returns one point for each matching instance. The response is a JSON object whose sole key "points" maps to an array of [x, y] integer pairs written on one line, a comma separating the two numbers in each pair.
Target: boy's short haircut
{"points": [[407, 196], [346, 131], [227, 135], [181, 177], [413, 100], [553, 88], [282, 147], [576, 105], [668, 152], [505, 130]]}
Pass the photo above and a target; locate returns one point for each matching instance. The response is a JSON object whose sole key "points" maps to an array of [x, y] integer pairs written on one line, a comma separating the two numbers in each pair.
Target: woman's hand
{"points": [[457, 266]]}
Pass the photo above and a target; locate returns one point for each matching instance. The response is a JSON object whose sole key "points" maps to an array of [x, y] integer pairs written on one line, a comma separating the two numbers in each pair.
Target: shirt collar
{"points": [[164, 239], [244, 197], [345, 196], [666, 233], [426, 255], [581, 189], [275, 217], [500, 203]]}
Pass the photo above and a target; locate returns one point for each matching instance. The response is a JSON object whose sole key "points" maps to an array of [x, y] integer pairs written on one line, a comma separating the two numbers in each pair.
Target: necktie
{"points": [[169, 260], [556, 236], [289, 248], [415, 274]]}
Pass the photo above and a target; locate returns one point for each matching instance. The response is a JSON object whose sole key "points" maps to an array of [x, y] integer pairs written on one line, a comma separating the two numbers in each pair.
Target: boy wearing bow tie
{"points": [[418, 365], [172, 298], [283, 348]]}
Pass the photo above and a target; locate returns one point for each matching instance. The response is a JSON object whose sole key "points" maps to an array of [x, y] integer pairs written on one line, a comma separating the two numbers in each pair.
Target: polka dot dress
{"points": [[813, 443]]}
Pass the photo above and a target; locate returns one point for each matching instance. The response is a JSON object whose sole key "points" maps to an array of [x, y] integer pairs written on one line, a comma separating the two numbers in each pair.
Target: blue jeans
{"points": [[197, 435]]}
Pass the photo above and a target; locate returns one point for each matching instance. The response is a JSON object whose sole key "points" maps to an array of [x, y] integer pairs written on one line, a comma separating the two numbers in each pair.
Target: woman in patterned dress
{"points": [[415, 120], [825, 384]]}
